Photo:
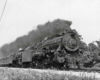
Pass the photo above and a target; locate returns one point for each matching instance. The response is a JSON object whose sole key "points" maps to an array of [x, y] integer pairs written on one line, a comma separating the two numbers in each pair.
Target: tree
{"points": [[83, 46]]}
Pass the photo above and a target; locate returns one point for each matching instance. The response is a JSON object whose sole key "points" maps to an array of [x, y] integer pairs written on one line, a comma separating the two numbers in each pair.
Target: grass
{"points": [[33, 74]]}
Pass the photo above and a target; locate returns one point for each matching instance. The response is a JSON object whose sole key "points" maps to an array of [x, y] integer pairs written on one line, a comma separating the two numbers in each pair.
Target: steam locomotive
{"points": [[60, 51]]}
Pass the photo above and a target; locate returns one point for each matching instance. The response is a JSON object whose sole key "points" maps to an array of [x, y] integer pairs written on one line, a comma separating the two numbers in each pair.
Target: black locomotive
{"points": [[60, 51]]}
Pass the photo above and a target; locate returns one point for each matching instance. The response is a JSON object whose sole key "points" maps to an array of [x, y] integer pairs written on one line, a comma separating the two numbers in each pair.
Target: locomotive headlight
{"points": [[70, 42]]}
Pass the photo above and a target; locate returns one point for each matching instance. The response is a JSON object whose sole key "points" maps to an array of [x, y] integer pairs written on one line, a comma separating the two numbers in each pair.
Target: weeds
{"points": [[31, 74]]}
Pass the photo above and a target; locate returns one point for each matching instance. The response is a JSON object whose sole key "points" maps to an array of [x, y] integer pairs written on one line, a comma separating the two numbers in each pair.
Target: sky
{"points": [[22, 16]]}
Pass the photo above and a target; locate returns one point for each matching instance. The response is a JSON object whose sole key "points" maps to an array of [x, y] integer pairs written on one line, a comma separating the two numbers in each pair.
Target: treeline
{"points": [[91, 54], [34, 36]]}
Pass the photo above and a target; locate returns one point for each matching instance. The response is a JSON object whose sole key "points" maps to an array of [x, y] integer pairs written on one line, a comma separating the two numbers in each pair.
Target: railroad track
{"points": [[69, 69]]}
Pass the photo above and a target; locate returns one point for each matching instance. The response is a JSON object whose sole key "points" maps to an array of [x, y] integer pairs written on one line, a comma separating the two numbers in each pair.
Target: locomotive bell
{"points": [[70, 42]]}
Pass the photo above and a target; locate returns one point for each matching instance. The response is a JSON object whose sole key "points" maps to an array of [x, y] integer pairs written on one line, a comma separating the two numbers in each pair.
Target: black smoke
{"points": [[34, 36]]}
